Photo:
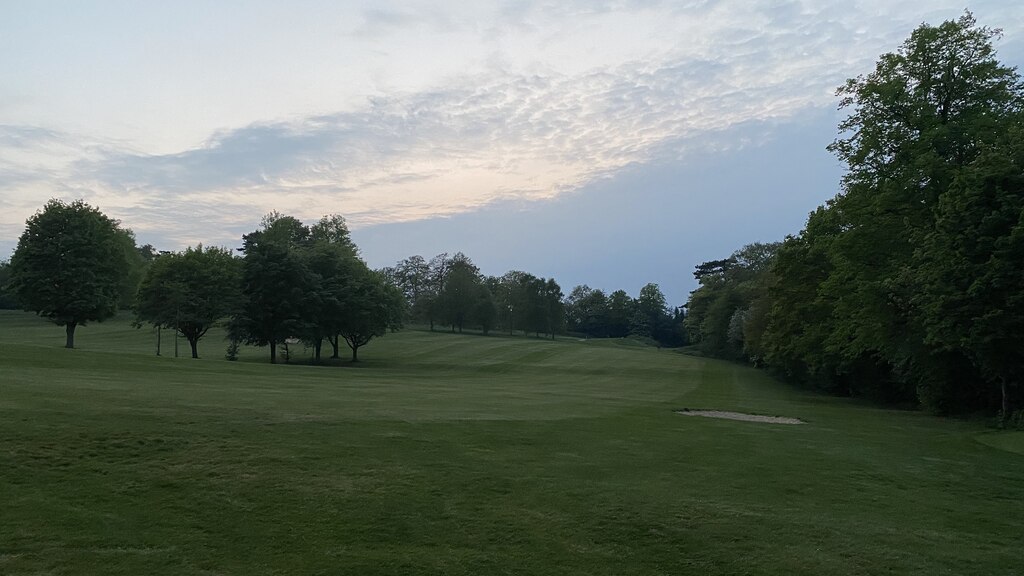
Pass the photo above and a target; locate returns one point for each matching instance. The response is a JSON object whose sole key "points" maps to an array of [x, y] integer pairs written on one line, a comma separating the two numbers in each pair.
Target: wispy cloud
{"points": [[521, 130]]}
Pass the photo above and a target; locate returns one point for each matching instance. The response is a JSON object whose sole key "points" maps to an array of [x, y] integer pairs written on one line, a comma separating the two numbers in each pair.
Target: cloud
{"points": [[572, 93]]}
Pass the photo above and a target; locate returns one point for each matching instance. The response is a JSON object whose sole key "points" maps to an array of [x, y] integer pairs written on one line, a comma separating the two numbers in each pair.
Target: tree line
{"points": [[908, 285], [450, 290], [293, 283]]}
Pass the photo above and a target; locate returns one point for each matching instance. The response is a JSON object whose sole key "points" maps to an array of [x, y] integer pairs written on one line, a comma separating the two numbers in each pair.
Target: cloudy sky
{"points": [[599, 142]]}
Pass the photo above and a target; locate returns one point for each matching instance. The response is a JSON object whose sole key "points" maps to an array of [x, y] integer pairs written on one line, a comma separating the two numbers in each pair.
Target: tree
{"points": [[922, 117], [485, 310], [412, 276], [620, 312], [334, 266], [332, 229], [972, 278], [513, 294], [277, 284], [554, 309], [726, 313], [905, 285], [375, 307], [652, 309], [437, 275], [71, 265], [190, 291], [7, 299], [586, 311], [457, 297]]}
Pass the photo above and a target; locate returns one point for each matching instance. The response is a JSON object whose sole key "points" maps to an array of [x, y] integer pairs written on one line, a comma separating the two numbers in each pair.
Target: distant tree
{"points": [[727, 311], [432, 307], [459, 292], [620, 313], [586, 311], [554, 309], [332, 229], [7, 299], [513, 297], [412, 276], [190, 291], [485, 310], [652, 309], [71, 265]]}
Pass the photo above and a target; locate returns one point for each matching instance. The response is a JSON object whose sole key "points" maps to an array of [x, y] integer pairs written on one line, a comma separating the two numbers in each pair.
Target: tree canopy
{"points": [[190, 291], [71, 265], [907, 285]]}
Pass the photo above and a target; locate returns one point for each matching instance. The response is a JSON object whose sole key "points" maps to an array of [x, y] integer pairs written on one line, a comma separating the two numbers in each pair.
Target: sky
{"points": [[597, 142]]}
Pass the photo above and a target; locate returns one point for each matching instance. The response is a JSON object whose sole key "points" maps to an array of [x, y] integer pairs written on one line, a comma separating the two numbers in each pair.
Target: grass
{"points": [[448, 454]]}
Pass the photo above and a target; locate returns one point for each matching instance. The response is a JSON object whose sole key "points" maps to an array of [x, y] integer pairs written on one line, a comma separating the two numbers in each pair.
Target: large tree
{"points": [[335, 267], [71, 265], [190, 291], [922, 117], [277, 285], [906, 285]]}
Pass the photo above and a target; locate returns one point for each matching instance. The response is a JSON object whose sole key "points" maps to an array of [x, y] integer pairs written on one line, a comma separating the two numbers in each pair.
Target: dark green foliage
{"points": [[457, 300], [587, 311], [906, 287], [190, 291], [7, 299], [620, 312], [726, 314], [485, 310], [306, 285], [278, 288], [971, 271], [374, 307], [71, 265], [232, 351], [412, 277]]}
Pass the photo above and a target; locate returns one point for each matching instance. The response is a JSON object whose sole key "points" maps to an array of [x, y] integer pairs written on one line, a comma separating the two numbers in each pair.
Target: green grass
{"points": [[447, 454]]}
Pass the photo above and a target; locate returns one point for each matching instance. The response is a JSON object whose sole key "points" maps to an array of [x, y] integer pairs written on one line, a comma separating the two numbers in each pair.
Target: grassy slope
{"points": [[470, 455]]}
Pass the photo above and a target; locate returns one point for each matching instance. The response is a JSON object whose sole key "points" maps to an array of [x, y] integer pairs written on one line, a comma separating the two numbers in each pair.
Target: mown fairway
{"points": [[445, 454]]}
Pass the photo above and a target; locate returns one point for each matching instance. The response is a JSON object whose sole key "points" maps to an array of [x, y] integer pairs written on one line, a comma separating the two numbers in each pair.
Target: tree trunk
{"points": [[1006, 400], [334, 345], [194, 342], [355, 357], [316, 350], [69, 330], [273, 352]]}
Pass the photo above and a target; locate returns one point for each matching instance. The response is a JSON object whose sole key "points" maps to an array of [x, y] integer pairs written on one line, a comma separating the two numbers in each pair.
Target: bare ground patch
{"points": [[740, 416]]}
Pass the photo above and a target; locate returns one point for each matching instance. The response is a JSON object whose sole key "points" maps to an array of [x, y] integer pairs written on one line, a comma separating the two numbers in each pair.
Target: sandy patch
{"points": [[740, 416]]}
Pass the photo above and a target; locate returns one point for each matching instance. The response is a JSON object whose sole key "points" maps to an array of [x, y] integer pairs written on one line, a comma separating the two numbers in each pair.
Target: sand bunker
{"points": [[740, 416]]}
